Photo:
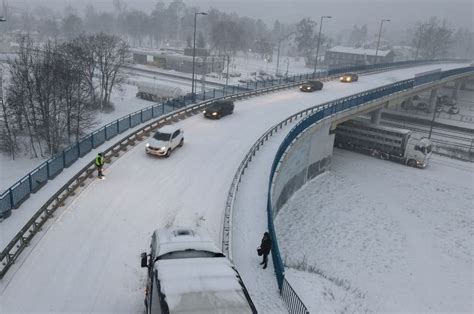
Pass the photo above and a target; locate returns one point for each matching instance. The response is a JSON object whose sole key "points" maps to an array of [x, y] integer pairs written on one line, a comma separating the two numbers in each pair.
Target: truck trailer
{"points": [[156, 92], [386, 143]]}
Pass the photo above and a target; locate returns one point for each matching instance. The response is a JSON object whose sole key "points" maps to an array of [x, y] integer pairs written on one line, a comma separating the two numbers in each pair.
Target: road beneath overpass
{"points": [[88, 259]]}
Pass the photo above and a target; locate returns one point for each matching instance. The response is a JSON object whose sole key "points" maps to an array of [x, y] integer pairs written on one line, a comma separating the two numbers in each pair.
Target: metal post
{"points": [[194, 50], [194, 53], [287, 66], [227, 76], [378, 41], [319, 41], [432, 120], [278, 57]]}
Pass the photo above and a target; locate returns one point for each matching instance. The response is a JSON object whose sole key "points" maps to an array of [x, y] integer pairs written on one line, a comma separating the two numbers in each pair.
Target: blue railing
{"points": [[14, 196], [325, 111]]}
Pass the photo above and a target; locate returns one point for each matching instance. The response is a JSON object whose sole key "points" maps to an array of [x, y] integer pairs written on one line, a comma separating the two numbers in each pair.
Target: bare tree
{"points": [[432, 38], [306, 38], [110, 55]]}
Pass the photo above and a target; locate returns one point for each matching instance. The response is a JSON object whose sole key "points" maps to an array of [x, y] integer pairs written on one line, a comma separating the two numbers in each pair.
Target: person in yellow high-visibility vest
{"points": [[99, 163]]}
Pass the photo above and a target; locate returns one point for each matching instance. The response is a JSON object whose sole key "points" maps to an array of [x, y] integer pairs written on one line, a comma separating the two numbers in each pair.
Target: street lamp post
{"points": [[194, 50], [378, 41], [422, 29], [287, 66], [279, 48], [319, 40]]}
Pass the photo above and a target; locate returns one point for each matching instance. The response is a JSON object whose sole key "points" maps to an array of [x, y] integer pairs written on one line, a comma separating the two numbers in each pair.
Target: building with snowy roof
{"points": [[168, 60], [341, 56]]}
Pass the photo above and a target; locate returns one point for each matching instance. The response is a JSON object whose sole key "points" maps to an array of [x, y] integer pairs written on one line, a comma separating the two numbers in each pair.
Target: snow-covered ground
{"points": [[87, 260], [465, 103], [124, 102], [376, 236]]}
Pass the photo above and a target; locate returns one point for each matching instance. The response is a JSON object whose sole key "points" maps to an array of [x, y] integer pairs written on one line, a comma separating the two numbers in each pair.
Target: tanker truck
{"points": [[404, 146]]}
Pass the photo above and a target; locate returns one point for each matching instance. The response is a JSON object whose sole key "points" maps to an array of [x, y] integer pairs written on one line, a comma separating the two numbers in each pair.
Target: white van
{"points": [[187, 273]]}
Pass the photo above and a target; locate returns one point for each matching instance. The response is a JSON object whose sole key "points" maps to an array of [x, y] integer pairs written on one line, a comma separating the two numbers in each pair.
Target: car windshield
{"points": [[162, 136], [190, 253], [213, 108]]}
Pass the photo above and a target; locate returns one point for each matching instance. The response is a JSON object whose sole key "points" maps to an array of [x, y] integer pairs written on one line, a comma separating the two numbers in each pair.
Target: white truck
{"points": [[156, 92], [187, 273], [387, 143]]}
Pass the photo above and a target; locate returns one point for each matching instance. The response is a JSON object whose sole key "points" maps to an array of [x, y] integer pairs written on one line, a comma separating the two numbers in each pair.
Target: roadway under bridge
{"points": [[87, 259]]}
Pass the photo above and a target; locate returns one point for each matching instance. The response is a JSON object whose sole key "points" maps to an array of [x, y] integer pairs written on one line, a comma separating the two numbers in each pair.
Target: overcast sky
{"points": [[346, 13]]}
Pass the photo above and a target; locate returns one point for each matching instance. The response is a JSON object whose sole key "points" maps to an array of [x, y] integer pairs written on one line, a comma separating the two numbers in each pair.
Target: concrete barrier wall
{"points": [[308, 156]]}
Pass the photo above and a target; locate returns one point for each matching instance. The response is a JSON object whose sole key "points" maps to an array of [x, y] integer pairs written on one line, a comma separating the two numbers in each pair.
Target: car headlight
{"points": [[214, 113], [204, 111], [341, 78], [308, 87], [163, 148], [348, 79], [301, 86], [147, 145]]}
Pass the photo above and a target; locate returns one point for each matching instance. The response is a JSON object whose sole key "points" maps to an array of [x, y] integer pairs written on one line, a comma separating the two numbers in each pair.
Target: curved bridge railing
{"points": [[21, 190], [326, 111], [13, 197]]}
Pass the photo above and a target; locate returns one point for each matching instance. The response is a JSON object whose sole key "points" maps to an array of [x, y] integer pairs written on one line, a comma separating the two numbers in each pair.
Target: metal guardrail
{"points": [[24, 236], [226, 236], [13, 197], [326, 111], [22, 239], [293, 301]]}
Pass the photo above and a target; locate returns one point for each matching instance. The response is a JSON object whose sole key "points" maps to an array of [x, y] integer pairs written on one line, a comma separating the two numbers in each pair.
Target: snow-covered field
{"points": [[88, 259], [124, 102], [376, 236]]}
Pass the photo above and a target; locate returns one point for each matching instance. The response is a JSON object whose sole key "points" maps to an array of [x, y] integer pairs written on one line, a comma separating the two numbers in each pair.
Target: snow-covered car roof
{"points": [[182, 239], [168, 129], [201, 285]]}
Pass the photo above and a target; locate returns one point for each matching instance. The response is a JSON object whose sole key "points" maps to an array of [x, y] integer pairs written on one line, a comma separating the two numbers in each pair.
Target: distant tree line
{"points": [[435, 38], [56, 88]]}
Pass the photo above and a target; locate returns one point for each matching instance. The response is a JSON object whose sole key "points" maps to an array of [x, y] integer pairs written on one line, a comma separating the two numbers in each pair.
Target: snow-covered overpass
{"points": [[88, 259]]}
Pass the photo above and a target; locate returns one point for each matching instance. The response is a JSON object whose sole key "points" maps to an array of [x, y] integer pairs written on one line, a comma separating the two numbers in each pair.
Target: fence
{"points": [[13, 197], [324, 111]]}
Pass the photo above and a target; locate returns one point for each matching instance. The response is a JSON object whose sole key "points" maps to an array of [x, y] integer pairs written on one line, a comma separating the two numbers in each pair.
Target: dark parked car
{"points": [[349, 77], [311, 86], [219, 108]]}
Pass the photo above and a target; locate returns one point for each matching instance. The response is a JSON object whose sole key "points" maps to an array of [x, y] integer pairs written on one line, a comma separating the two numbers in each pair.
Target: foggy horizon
{"points": [[345, 13]]}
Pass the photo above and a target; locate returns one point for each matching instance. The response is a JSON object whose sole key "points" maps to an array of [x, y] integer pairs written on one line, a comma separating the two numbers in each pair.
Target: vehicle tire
{"points": [[168, 153], [411, 163], [181, 143]]}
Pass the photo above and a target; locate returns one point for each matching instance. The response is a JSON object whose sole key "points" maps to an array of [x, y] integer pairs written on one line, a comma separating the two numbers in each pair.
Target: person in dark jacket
{"points": [[99, 163], [265, 246]]}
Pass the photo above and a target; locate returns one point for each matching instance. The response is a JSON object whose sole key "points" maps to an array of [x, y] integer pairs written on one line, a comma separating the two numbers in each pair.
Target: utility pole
{"points": [[194, 51], [319, 40], [378, 41], [227, 76]]}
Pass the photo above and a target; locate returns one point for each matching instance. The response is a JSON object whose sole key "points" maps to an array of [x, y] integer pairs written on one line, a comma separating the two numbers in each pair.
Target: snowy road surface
{"points": [[377, 236], [88, 260]]}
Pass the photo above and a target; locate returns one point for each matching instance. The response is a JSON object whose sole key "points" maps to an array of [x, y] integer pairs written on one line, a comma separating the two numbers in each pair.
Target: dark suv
{"points": [[219, 108], [311, 86]]}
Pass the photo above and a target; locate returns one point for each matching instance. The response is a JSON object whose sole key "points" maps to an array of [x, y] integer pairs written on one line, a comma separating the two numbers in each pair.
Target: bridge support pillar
{"points": [[433, 99], [457, 87], [375, 116]]}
